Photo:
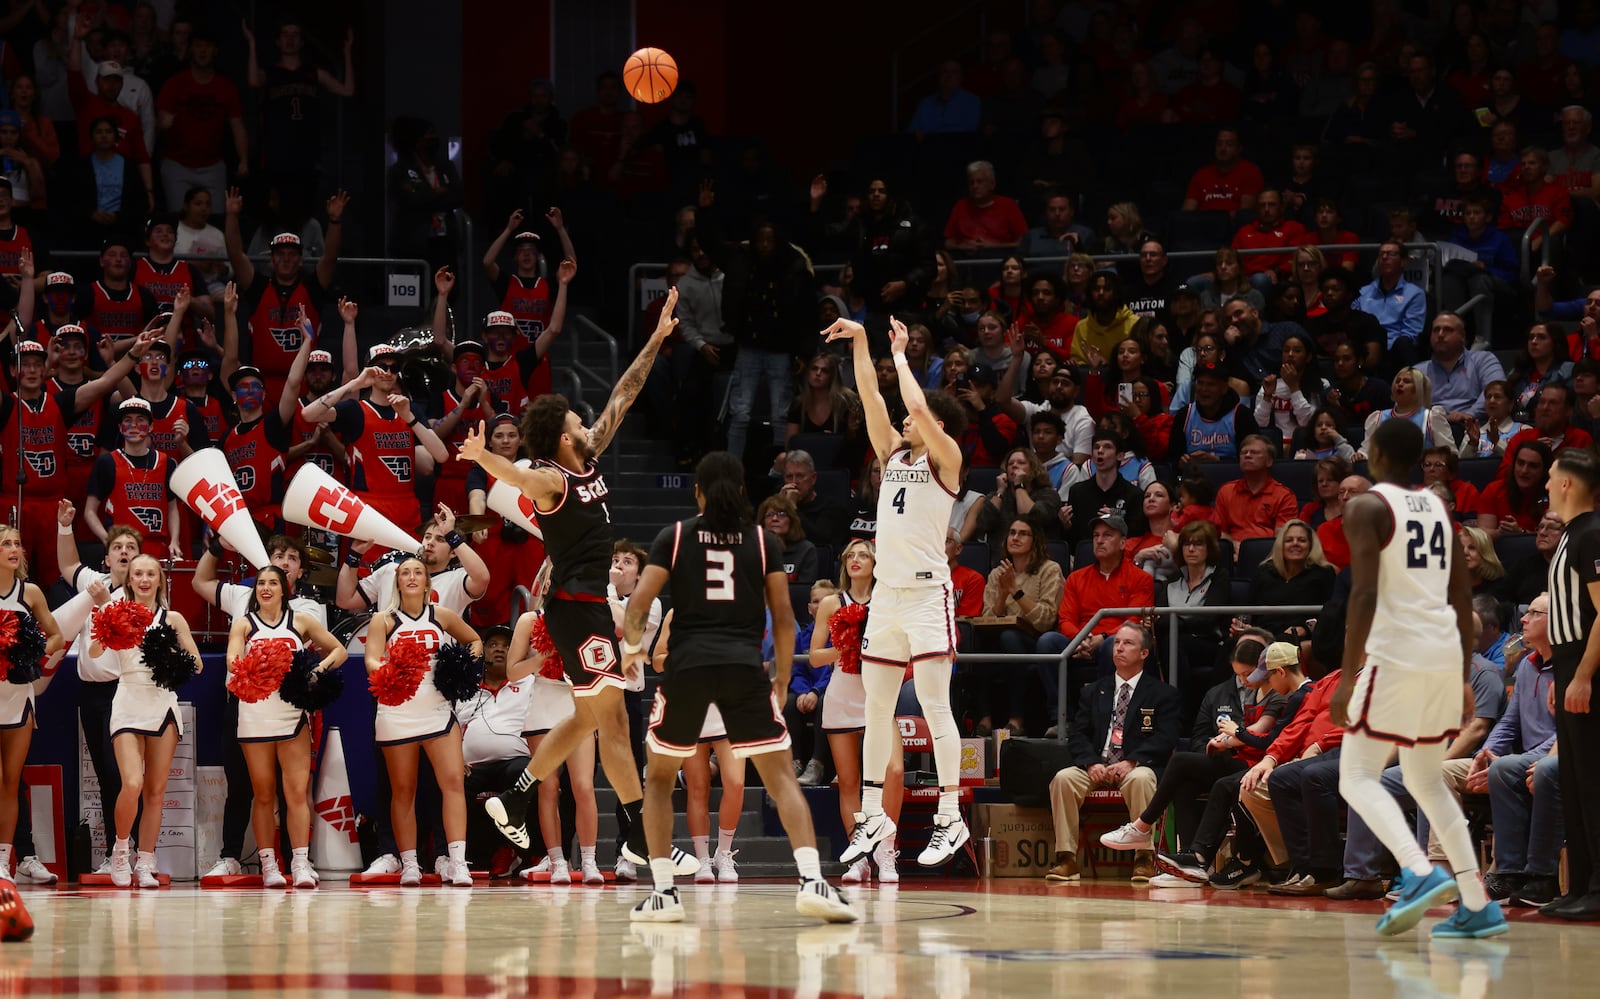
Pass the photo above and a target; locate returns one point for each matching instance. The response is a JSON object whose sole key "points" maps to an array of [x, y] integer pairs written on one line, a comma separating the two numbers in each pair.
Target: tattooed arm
{"points": [[632, 380]]}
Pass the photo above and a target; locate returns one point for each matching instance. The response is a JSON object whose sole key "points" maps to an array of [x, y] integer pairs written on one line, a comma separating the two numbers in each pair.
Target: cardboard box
{"points": [[1014, 842], [973, 761]]}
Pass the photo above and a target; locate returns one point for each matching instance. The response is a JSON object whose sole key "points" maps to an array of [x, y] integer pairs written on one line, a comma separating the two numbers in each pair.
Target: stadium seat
{"points": [[824, 449], [981, 480], [827, 568], [975, 556], [1253, 552], [1480, 471], [1239, 590], [1198, 231], [1083, 555], [1299, 476], [1219, 472], [1062, 556], [1513, 548], [833, 483]]}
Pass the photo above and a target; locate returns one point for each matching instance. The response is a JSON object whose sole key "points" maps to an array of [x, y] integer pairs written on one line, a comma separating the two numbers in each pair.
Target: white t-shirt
{"points": [[492, 722], [1079, 435], [651, 628], [449, 588], [107, 666]]}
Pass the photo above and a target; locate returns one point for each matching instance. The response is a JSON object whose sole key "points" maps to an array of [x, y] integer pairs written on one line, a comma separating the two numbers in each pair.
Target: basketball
{"points": [[650, 75]]}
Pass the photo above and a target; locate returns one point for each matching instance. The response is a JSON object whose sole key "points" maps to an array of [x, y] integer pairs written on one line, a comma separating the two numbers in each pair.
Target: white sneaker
{"points": [[887, 857], [271, 877], [304, 875], [32, 872], [822, 900], [560, 873], [1127, 837], [224, 867], [457, 874], [859, 872], [626, 872], [683, 864], [870, 830], [121, 870], [727, 870], [591, 873], [949, 835], [706, 873], [144, 873], [441, 867], [386, 864], [659, 907], [105, 866], [410, 873], [542, 867], [1171, 881]]}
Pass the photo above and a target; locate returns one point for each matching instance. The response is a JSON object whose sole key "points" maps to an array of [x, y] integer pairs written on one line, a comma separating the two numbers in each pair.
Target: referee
{"points": [[1574, 593]]}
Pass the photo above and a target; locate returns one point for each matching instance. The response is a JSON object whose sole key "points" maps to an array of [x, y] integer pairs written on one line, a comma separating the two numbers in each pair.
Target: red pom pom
{"points": [[397, 680], [540, 643], [844, 631], [121, 624], [8, 629], [257, 674]]}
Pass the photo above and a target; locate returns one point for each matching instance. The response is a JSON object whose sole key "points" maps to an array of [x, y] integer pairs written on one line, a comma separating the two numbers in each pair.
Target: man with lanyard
{"points": [[132, 485], [522, 291], [114, 307], [514, 374], [161, 273], [382, 434], [465, 405], [41, 439], [271, 301]]}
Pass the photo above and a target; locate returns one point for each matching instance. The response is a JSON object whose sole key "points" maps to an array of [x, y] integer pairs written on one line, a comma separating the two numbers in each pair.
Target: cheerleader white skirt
{"points": [[427, 715], [844, 706], [549, 705], [142, 708], [271, 719], [16, 705]]}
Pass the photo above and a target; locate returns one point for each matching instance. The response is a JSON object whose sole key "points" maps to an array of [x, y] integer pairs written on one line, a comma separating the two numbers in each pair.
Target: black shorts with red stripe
{"points": [[743, 695]]}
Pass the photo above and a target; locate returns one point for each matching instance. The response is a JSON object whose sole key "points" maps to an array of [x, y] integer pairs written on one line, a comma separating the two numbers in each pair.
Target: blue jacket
{"points": [[804, 678], [1400, 312], [1493, 248]]}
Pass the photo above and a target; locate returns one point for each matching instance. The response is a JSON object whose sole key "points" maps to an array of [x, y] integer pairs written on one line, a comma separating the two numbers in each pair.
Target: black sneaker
{"points": [[1537, 890], [1189, 866], [1235, 875], [508, 811], [1500, 886]]}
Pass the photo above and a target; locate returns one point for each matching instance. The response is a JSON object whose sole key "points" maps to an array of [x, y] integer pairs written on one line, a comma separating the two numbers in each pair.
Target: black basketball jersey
{"points": [[577, 533], [718, 590]]}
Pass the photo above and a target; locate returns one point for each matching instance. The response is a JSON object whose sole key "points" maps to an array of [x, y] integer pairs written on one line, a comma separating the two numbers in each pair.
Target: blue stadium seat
{"points": [[1058, 552], [1219, 472], [1513, 548], [975, 555], [981, 480], [1299, 476], [1252, 552], [1480, 471]]}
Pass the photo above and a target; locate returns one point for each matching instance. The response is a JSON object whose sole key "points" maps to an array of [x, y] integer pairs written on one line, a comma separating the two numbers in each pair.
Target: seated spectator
{"points": [[920, 356], [1339, 323], [1209, 346], [1110, 391], [1586, 386], [1528, 577], [1575, 166], [1244, 702], [1499, 426], [808, 685], [1552, 424], [1270, 230], [1543, 361], [1008, 294], [1412, 393], [1108, 322], [1195, 496], [1295, 573], [1048, 313], [1201, 579], [1075, 275], [1022, 489], [1112, 581], [1535, 196], [1152, 551], [1227, 184], [864, 522], [1125, 231], [1445, 210], [1103, 492], [1286, 401], [1504, 163], [1210, 98], [1484, 568], [1330, 533], [950, 109], [1151, 285], [1044, 434], [823, 519], [1399, 306], [1255, 347], [1322, 439], [1255, 505], [1060, 400], [1026, 584], [1457, 374], [826, 405], [1330, 231], [1301, 187], [1215, 424], [1309, 263], [983, 219], [1441, 463], [1328, 505], [1060, 235], [1150, 424], [105, 194], [1491, 275], [1107, 752], [1353, 395], [1227, 282], [1491, 643], [1286, 304], [1142, 102], [989, 431], [1356, 126]]}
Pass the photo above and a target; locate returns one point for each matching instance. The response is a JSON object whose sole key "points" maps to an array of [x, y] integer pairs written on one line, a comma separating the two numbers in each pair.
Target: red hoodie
{"points": [[1312, 725]]}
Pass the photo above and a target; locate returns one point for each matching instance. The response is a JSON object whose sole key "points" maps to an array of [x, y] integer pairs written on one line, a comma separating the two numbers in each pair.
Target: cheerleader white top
{"points": [[141, 707], [271, 719], [427, 715], [16, 699]]}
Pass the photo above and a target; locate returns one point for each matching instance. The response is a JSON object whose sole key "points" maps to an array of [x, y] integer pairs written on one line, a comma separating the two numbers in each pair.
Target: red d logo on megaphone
{"points": [[214, 501], [334, 508]]}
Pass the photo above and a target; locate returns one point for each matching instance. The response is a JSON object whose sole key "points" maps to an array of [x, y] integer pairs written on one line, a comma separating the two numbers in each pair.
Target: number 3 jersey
{"points": [[1414, 624], [718, 587], [913, 515]]}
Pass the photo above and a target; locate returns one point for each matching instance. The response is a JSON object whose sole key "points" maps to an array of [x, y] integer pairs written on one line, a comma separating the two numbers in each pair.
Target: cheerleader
{"points": [[844, 712], [16, 699], [425, 721], [273, 733], [697, 786], [145, 726], [550, 703]]}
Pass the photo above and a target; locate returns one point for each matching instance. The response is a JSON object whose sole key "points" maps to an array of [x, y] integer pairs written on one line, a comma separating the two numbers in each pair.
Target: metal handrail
{"points": [[1527, 247]]}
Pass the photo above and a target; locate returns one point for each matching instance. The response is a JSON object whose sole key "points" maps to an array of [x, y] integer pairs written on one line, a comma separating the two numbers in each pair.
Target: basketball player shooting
{"points": [[1409, 594], [912, 620]]}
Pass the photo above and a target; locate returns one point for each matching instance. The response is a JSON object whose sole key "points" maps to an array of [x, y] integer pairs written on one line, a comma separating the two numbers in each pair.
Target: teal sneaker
{"points": [[1465, 924], [1416, 898]]}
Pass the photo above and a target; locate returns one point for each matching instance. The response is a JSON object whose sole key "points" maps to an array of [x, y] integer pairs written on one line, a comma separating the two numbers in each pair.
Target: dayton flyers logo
{"points": [[339, 813]]}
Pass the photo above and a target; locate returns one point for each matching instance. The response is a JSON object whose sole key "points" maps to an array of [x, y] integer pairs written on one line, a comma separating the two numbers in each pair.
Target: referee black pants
{"points": [[1578, 737]]}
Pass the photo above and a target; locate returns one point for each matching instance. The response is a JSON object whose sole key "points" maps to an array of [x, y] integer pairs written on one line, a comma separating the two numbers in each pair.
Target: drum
{"points": [[352, 631]]}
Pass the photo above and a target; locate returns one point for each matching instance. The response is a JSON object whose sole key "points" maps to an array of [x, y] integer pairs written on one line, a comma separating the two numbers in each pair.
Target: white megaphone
{"points": [[206, 484], [514, 505], [334, 844], [314, 499]]}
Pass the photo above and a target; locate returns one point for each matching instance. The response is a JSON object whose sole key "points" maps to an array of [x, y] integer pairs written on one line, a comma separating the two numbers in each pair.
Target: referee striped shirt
{"points": [[1574, 566]]}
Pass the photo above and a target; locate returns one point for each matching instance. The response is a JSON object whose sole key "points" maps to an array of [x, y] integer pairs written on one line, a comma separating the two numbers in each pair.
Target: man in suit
{"points": [[1126, 729]]}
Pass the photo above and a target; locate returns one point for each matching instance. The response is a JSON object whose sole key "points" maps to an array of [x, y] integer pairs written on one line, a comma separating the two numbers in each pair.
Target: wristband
{"points": [[65, 532], [214, 546], [413, 421], [1019, 594], [629, 648], [336, 221], [900, 361], [353, 560], [454, 540]]}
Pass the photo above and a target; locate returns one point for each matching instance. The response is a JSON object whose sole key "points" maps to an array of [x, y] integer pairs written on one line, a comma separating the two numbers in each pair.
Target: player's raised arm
{"points": [[632, 380], [941, 442], [880, 430], [535, 483]]}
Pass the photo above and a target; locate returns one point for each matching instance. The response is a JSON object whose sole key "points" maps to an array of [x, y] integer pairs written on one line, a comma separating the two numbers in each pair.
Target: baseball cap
{"points": [[58, 279], [500, 418], [30, 347], [1210, 369], [71, 329], [1113, 521], [1065, 371], [1279, 655], [471, 347], [242, 372], [499, 318], [980, 373], [286, 239], [381, 350], [109, 68], [496, 631], [160, 218], [163, 346], [1184, 289], [133, 405], [525, 237], [111, 241], [320, 357]]}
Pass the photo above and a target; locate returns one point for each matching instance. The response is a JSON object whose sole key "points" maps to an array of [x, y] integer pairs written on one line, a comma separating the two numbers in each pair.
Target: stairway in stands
{"points": [[646, 488]]}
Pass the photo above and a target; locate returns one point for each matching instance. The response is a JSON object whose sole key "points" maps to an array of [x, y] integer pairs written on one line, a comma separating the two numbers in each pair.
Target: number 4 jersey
{"points": [[913, 515], [1414, 624], [718, 589]]}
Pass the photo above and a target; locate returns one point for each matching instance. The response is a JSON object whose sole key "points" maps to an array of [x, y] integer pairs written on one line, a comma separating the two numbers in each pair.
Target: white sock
{"points": [[702, 847], [457, 851], [557, 856], [949, 804], [872, 799], [269, 858], [725, 839], [302, 853], [122, 846], [587, 853], [408, 857], [5, 856], [809, 862], [661, 872]]}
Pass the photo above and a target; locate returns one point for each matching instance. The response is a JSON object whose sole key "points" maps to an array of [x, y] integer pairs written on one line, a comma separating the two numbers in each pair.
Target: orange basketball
{"points": [[650, 76]]}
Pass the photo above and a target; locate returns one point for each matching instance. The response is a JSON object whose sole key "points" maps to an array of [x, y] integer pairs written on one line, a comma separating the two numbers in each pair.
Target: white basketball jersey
{"points": [[1414, 624], [913, 515]]}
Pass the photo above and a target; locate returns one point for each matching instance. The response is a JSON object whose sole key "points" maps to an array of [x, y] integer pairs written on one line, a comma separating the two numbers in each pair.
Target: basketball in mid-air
{"points": [[650, 76]]}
